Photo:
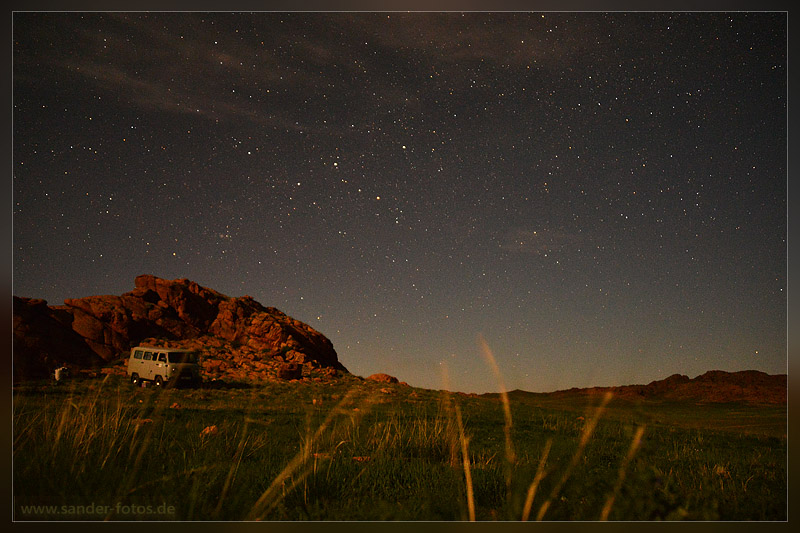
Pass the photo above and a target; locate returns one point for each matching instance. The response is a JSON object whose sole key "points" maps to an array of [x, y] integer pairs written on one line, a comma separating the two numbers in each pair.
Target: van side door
{"points": [[148, 365], [161, 366]]}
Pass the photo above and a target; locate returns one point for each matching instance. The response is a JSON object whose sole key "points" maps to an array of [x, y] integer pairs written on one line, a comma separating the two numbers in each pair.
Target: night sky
{"points": [[599, 196]]}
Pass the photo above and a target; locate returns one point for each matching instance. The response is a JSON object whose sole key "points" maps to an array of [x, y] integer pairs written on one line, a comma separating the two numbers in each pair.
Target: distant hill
{"points": [[715, 386]]}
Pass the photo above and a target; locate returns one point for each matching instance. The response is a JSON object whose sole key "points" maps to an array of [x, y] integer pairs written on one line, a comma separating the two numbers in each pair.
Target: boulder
{"points": [[290, 371], [383, 378], [44, 341]]}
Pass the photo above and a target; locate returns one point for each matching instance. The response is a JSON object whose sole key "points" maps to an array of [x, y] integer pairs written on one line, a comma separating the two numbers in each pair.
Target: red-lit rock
{"points": [[180, 312]]}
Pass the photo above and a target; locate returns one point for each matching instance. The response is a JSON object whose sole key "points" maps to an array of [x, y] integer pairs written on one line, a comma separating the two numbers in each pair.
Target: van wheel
{"points": [[135, 380], [159, 381]]}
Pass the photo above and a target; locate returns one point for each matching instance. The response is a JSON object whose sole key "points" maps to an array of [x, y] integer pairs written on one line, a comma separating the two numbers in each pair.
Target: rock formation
{"points": [[383, 378], [98, 330], [714, 386], [44, 340]]}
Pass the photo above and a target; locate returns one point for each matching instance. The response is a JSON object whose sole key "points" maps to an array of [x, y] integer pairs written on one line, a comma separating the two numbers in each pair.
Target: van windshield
{"points": [[182, 357]]}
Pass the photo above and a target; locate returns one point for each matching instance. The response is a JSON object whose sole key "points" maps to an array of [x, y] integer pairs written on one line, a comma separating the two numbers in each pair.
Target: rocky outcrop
{"points": [[99, 329], [383, 378], [720, 386], [667, 384], [44, 340], [715, 386]]}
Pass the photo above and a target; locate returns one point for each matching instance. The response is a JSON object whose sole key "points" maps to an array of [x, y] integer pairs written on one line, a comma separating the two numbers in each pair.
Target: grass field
{"points": [[97, 449]]}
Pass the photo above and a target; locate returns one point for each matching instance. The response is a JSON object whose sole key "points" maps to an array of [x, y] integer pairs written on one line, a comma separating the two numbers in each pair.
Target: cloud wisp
{"points": [[525, 240]]}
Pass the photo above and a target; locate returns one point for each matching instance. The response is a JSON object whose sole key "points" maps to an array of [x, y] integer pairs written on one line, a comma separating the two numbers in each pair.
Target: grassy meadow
{"points": [[351, 449]]}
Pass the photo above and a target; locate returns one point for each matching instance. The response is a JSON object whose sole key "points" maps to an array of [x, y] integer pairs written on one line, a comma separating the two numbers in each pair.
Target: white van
{"points": [[163, 366]]}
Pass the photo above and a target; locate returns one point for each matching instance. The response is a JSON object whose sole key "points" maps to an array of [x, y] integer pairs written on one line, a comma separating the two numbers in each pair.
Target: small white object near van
{"points": [[61, 373]]}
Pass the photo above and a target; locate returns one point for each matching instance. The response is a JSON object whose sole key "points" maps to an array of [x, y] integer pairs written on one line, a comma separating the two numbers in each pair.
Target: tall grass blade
{"points": [[489, 357], [588, 429], [269, 498], [467, 473], [234, 468], [129, 485], [464, 441], [637, 440], [540, 473]]}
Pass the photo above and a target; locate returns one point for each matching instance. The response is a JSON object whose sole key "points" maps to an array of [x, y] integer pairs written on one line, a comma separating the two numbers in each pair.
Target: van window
{"points": [[182, 357], [148, 356], [137, 354], [162, 357]]}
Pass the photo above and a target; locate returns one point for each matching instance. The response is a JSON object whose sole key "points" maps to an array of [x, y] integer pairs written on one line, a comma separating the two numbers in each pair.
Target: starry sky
{"points": [[599, 197]]}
